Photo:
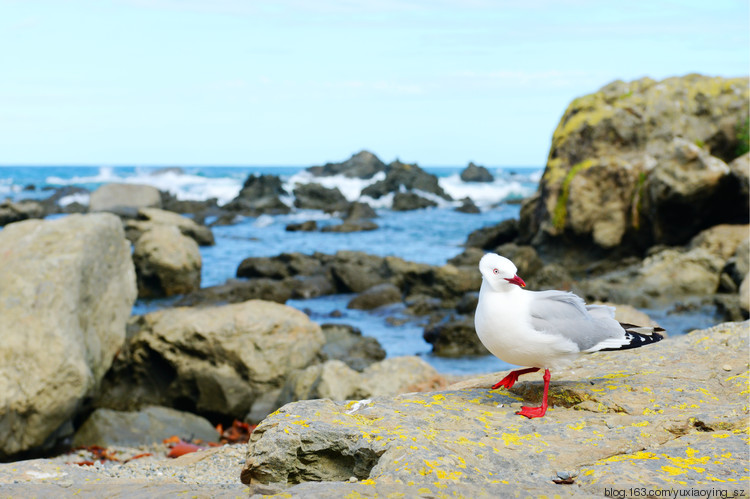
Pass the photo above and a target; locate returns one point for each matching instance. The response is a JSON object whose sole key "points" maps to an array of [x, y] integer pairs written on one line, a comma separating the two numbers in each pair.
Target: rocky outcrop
{"points": [[609, 424], [259, 194], [68, 287], [124, 199], [148, 218], [474, 173], [167, 263], [214, 361], [631, 163], [316, 197], [106, 428], [405, 176], [363, 165]]}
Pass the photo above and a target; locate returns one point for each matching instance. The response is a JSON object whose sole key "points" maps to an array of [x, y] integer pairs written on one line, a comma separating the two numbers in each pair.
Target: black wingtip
{"points": [[638, 336]]}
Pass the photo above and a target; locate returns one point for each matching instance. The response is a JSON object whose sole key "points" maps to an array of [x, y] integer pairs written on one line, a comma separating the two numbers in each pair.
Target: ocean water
{"points": [[431, 235]]}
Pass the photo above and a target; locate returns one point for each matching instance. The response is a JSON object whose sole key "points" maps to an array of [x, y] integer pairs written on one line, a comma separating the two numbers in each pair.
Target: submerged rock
{"points": [[609, 422], [68, 286]]}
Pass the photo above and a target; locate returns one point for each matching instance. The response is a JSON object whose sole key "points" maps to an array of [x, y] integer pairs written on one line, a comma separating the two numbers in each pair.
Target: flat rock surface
{"points": [[673, 416]]}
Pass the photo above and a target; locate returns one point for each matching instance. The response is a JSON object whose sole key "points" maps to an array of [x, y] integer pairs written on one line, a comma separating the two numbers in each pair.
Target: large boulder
{"points": [[150, 217], [640, 163], [124, 199], [405, 176], [167, 263], [260, 194], [362, 165], [604, 428], [68, 287], [214, 361]]}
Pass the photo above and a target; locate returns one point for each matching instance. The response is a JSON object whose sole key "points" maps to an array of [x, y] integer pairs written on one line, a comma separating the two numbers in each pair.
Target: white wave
{"points": [[183, 186], [80, 198], [484, 194], [349, 187], [385, 201], [264, 221]]}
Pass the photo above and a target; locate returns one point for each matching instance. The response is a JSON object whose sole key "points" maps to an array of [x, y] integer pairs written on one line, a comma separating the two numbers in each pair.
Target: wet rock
{"points": [[281, 266], [474, 173], [236, 291], [346, 343], [455, 338], [307, 226], [148, 218], [68, 286], [468, 206], [213, 361], [351, 226], [167, 263], [405, 176], [376, 296], [124, 199], [105, 427], [259, 194], [316, 197], [359, 210], [407, 201], [491, 237], [604, 426], [362, 165]]}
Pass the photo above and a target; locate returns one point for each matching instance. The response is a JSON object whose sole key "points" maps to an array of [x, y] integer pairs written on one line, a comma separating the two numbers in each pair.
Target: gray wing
{"points": [[590, 327]]}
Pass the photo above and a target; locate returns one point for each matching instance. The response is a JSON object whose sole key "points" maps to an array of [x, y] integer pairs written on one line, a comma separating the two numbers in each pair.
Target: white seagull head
{"points": [[499, 272]]}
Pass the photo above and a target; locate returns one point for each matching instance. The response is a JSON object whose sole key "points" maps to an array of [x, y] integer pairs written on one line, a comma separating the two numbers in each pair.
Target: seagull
{"points": [[544, 329]]}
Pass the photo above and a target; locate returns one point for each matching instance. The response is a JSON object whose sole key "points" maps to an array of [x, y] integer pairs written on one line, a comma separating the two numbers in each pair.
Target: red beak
{"points": [[517, 280]]}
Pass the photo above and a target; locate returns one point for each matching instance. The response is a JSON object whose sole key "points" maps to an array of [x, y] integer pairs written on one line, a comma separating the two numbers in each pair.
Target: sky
{"points": [[299, 83]]}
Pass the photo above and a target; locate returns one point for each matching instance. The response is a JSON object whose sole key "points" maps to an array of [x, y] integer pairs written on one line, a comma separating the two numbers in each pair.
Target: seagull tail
{"points": [[638, 336]]}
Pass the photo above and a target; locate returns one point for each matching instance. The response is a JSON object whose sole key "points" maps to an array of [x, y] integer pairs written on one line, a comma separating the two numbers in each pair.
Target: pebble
{"points": [[726, 367]]}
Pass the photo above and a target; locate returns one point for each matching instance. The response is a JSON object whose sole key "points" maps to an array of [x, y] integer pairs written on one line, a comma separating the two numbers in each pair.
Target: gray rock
{"points": [[346, 343], [210, 360], [150, 217], [307, 226], [491, 237], [363, 165], [316, 197], [604, 427], [167, 263], [359, 210], [405, 176], [15, 212], [351, 226], [455, 338], [468, 206], [106, 428], [124, 199], [376, 296], [407, 201], [68, 286], [236, 291], [474, 173], [259, 194]]}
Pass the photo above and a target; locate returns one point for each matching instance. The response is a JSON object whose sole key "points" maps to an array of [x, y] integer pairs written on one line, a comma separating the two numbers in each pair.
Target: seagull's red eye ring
{"points": [[495, 271]]}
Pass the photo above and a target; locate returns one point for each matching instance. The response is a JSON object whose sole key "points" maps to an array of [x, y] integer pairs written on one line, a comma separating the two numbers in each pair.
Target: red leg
{"points": [[512, 377], [538, 412]]}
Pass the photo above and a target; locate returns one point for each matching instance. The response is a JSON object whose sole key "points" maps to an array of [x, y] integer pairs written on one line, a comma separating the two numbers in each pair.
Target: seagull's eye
{"points": [[495, 271]]}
